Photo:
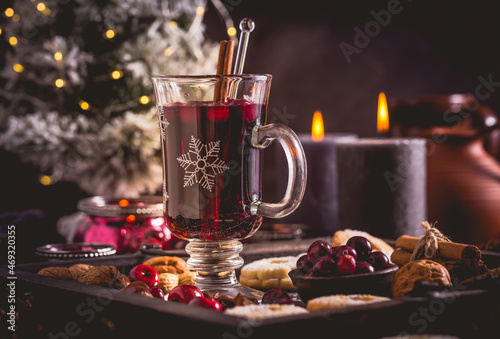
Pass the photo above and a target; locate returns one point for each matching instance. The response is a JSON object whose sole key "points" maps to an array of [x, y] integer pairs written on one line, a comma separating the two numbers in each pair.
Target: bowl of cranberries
{"points": [[352, 268]]}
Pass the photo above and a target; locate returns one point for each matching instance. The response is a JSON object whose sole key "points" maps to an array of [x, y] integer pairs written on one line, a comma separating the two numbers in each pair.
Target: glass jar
{"points": [[125, 223]]}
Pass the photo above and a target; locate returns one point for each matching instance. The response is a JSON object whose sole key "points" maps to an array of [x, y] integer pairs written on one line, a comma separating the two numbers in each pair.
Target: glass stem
{"points": [[214, 263]]}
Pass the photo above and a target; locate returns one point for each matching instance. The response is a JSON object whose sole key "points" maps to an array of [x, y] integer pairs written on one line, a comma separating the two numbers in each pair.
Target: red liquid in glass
{"points": [[211, 172]]}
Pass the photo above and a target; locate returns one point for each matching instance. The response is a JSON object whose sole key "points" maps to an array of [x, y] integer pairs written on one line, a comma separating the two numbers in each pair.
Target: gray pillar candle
{"points": [[319, 207], [382, 186]]}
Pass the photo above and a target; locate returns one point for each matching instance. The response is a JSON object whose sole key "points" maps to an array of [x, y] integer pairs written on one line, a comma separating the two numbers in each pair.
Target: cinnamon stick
{"points": [[446, 249], [224, 66], [400, 256]]}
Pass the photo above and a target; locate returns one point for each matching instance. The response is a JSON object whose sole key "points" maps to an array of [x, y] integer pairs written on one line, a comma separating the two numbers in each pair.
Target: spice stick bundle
{"points": [[400, 256], [446, 249], [224, 66], [405, 245]]}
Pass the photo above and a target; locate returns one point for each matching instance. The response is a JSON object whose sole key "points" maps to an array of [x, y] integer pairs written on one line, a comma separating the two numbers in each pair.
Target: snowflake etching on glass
{"points": [[197, 170], [162, 122]]}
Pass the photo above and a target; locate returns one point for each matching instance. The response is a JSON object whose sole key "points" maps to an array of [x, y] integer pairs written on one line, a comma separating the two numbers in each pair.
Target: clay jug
{"points": [[463, 174]]}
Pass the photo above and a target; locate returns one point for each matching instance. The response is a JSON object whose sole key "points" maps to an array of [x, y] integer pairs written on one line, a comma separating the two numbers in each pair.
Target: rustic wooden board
{"points": [[66, 309]]}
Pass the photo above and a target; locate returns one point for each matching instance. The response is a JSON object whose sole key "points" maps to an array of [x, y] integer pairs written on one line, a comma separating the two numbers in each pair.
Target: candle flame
{"points": [[318, 128], [382, 114]]}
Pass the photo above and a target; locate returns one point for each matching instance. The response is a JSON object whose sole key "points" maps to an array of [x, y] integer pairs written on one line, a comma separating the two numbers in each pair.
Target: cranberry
{"points": [[146, 274], [206, 303], [271, 296], [378, 260], [346, 264], [157, 292], [343, 250], [184, 293], [318, 249], [364, 267], [217, 112], [362, 246], [325, 266], [303, 264], [251, 112]]}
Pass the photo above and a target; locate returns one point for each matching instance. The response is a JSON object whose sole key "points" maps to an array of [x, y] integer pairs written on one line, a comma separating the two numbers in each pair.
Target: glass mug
{"points": [[212, 132]]}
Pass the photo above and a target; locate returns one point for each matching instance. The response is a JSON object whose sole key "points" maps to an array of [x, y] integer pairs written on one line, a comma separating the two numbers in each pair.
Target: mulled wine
{"points": [[211, 172], [212, 134]]}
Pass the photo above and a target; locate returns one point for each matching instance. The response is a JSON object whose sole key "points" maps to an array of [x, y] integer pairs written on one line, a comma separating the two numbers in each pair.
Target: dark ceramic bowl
{"points": [[376, 283]]}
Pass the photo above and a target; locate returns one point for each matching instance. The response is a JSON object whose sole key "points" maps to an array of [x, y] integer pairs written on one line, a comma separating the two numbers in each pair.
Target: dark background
{"points": [[430, 47]]}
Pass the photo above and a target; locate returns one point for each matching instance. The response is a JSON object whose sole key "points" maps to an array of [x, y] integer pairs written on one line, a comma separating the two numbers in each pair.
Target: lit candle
{"points": [[319, 207], [382, 182], [382, 115]]}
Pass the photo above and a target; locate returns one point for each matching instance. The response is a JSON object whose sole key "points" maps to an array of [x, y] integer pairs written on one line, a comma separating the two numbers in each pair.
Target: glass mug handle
{"points": [[262, 137]]}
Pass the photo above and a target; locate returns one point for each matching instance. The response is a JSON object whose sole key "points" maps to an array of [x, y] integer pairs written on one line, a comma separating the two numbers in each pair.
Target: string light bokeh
{"points": [[65, 81]]}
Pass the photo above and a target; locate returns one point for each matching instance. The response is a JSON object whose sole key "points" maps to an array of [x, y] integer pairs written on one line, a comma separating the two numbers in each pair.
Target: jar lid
{"points": [[75, 250], [148, 206]]}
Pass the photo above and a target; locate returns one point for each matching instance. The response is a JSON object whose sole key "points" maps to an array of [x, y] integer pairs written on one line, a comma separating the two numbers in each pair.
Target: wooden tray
{"points": [[54, 308]]}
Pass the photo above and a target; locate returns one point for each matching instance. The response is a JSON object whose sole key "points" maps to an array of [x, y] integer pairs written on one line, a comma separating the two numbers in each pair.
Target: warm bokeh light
{"points": [[144, 100], [131, 218], [200, 10], [13, 40], [84, 105], [116, 75], [156, 222], [16, 17], [45, 180], [110, 34], [60, 83], [231, 31], [18, 68], [123, 203], [168, 51], [0, 30], [382, 114], [9, 12], [173, 24], [41, 6], [58, 56], [318, 128]]}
